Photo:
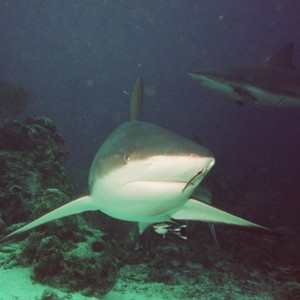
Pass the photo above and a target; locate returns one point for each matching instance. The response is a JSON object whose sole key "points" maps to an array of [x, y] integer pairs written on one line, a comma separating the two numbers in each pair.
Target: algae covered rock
{"points": [[30, 155], [48, 294], [289, 290], [49, 258], [86, 266], [90, 267]]}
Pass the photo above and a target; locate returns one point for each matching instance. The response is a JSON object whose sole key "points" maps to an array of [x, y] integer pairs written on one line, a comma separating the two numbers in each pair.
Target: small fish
{"points": [[170, 227]]}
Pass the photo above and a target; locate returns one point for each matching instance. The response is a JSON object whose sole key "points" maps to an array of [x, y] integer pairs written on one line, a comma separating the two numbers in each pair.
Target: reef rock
{"points": [[66, 253]]}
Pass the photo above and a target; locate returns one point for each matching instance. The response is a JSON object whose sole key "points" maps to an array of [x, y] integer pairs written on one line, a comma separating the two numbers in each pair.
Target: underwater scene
{"points": [[149, 150]]}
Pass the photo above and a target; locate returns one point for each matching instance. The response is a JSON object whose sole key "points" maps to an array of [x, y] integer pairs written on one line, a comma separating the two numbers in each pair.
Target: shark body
{"points": [[146, 174], [275, 83]]}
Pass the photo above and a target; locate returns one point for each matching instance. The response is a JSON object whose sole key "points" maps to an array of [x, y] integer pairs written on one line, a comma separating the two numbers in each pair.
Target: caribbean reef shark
{"points": [[146, 174], [275, 83]]}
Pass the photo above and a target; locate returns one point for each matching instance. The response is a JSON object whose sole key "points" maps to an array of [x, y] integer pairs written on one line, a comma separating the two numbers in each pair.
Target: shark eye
{"points": [[127, 157]]}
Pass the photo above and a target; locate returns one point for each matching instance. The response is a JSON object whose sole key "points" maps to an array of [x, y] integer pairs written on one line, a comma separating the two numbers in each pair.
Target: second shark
{"points": [[275, 83]]}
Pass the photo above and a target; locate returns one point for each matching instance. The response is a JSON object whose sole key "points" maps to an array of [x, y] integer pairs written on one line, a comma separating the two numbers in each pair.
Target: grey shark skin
{"points": [[146, 174], [275, 83]]}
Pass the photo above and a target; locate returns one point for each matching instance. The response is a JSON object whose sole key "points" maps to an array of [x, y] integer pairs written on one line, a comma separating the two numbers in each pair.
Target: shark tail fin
{"points": [[136, 101], [199, 211], [74, 207]]}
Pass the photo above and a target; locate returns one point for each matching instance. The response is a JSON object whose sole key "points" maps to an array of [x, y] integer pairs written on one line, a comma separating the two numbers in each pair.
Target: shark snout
{"points": [[192, 168], [204, 164], [210, 163]]}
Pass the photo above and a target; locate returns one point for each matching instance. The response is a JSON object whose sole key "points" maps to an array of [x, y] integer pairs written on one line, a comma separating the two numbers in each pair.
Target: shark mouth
{"points": [[160, 181], [188, 183]]}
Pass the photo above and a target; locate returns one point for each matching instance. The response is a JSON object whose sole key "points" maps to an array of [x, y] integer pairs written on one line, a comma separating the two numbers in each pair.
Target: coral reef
{"points": [[30, 155], [85, 266], [49, 295], [290, 290], [66, 253]]}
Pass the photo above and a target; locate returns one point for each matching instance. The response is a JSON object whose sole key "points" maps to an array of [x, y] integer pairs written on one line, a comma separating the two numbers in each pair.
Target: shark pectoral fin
{"points": [[246, 96], [199, 211], [239, 102], [74, 207], [280, 101]]}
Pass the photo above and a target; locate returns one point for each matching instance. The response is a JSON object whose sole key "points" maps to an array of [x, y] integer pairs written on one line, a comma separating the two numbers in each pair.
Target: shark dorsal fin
{"points": [[283, 57], [136, 101]]}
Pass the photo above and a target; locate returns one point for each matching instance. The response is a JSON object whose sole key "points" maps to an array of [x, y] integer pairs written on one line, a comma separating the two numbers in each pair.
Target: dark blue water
{"points": [[78, 58]]}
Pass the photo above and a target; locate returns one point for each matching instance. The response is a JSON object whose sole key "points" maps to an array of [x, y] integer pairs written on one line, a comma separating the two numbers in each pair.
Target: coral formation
{"points": [[29, 160], [290, 290], [49, 295], [65, 253], [85, 266]]}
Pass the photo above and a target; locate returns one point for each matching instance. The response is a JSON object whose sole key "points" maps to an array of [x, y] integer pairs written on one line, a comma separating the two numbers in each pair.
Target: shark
{"points": [[274, 83], [146, 174]]}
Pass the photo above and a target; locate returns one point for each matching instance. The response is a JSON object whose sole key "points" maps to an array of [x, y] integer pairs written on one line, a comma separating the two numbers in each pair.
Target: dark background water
{"points": [[78, 58]]}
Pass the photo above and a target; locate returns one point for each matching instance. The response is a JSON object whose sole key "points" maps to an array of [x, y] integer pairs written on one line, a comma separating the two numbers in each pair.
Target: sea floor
{"points": [[15, 284], [244, 267]]}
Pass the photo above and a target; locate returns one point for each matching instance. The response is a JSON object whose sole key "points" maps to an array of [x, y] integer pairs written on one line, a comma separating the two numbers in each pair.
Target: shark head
{"points": [[143, 171], [223, 80], [275, 83]]}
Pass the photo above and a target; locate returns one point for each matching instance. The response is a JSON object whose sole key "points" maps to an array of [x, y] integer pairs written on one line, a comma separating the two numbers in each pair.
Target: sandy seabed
{"points": [[15, 284]]}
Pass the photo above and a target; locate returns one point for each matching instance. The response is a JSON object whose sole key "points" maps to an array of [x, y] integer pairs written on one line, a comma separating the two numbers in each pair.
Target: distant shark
{"points": [[146, 174], [275, 83]]}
